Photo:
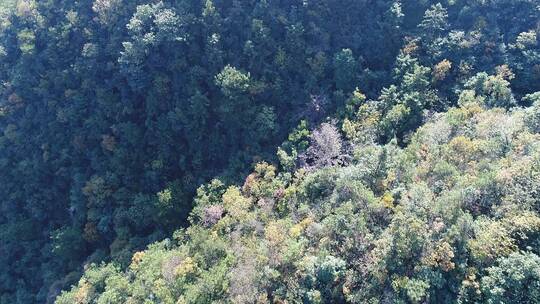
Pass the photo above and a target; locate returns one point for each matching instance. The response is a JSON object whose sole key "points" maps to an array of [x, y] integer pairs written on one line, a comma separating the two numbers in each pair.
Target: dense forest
{"points": [[269, 151]]}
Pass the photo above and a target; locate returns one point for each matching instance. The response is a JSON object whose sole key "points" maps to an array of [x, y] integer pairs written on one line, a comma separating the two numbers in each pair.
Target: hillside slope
{"points": [[114, 112], [453, 217]]}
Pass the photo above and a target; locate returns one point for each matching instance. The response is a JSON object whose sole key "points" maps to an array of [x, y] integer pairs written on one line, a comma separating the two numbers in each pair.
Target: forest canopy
{"points": [[263, 151]]}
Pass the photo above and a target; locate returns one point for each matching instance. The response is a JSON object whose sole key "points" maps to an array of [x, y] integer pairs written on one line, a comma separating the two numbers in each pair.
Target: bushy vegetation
{"points": [[453, 217], [406, 138]]}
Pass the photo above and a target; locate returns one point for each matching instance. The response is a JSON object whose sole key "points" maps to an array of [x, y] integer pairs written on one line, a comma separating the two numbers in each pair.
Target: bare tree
{"points": [[212, 214], [326, 148]]}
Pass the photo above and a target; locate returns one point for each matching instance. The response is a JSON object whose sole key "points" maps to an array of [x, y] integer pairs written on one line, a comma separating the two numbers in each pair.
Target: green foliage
{"points": [[430, 222], [26, 41], [515, 279], [345, 72], [114, 113], [233, 82], [435, 18]]}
